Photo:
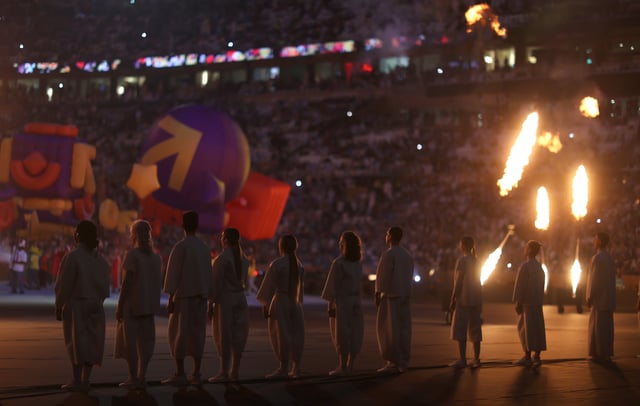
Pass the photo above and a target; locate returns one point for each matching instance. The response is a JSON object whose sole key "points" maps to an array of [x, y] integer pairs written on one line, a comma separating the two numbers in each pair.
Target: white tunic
{"points": [[393, 322], [139, 301], [188, 280], [286, 318], [342, 290], [230, 322]]}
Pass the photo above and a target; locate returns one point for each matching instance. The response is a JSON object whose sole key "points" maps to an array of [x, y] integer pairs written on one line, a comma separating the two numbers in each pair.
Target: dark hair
{"points": [[395, 233], [469, 244], [351, 246], [190, 221], [232, 236], [141, 236], [87, 234], [604, 238], [534, 247], [288, 245]]}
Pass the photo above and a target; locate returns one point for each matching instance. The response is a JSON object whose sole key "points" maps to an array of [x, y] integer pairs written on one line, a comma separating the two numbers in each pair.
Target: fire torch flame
{"points": [[542, 208], [579, 210], [576, 271], [542, 223], [519, 156], [491, 262], [580, 193], [481, 14], [589, 107]]}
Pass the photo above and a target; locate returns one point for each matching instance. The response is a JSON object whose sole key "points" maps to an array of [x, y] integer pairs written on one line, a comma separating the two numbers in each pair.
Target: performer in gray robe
{"points": [[81, 287], [228, 305], [392, 292], [528, 295], [601, 297], [137, 305], [342, 290], [281, 293], [188, 282], [466, 304]]}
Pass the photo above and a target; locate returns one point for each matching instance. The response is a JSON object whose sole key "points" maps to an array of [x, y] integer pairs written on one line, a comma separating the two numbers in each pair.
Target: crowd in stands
{"points": [[365, 163], [64, 30]]}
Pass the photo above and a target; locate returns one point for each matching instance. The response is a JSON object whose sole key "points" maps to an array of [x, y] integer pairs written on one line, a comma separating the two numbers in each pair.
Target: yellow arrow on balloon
{"points": [[184, 144]]}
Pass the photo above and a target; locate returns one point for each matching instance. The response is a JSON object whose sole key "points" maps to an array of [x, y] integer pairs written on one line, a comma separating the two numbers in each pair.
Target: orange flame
{"points": [[580, 193], [482, 15], [519, 156], [542, 208], [589, 107], [550, 141], [490, 264]]}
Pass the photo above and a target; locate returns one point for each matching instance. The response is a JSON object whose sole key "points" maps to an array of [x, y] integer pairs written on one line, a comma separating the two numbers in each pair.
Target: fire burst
{"points": [[491, 262], [576, 272], [542, 208], [579, 210], [481, 14], [519, 156], [550, 141], [580, 193], [589, 107], [542, 223]]}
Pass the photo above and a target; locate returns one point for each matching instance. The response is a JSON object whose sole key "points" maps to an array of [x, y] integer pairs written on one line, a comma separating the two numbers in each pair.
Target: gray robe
{"points": [[342, 290], [188, 279], [142, 280], [230, 322], [601, 292], [393, 322], [529, 292], [81, 287]]}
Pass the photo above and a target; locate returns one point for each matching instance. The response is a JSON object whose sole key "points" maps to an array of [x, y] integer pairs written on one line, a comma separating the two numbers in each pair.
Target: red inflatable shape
{"points": [[51, 129], [7, 213], [158, 213], [257, 210]]}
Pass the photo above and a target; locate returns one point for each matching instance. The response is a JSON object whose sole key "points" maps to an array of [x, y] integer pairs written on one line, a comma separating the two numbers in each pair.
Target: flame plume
{"points": [[550, 141], [519, 156], [580, 193], [491, 262], [482, 15], [589, 107], [542, 208]]}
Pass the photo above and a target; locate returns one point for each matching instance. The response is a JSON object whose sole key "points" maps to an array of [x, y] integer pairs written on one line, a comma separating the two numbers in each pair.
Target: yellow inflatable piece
{"points": [[126, 218], [5, 159], [55, 206], [143, 180], [83, 154], [108, 214], [90, 181]]}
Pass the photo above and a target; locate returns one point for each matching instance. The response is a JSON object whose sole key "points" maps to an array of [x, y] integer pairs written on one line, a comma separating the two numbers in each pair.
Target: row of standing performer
{"points": [[199, 290]]}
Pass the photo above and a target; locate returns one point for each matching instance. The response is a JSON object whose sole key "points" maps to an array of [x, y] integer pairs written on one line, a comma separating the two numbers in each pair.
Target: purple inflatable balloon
{"points": [[202, 157]]}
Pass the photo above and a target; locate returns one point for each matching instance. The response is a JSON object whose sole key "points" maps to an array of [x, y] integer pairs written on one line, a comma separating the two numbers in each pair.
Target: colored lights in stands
{"points": [[298, 183], [419, 147], [174, 61], [372, 43], [366, 67], [335, 47], [54, 67], [98, 66]]}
